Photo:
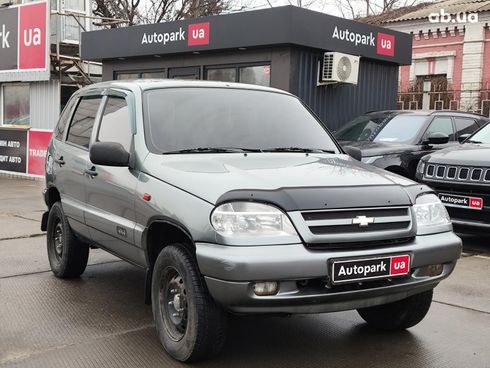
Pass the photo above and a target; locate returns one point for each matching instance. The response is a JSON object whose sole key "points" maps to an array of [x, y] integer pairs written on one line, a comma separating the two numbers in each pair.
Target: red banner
{"points": [[32, 36], [38, 145]]}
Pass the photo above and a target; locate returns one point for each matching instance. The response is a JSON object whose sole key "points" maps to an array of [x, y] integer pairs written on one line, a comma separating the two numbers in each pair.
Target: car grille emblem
{"points": [[362, 221]]}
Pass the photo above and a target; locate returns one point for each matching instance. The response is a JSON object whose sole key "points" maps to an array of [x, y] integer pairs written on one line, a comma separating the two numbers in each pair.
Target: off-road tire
{"points": [[69, 259], [399, 315], [205, 328]]}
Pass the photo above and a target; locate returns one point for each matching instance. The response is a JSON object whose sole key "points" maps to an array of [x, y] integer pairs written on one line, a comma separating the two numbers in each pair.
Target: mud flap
{"points": [[44, 221]]}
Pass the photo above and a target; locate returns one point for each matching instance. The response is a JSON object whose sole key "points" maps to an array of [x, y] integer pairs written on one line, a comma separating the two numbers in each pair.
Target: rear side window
{"points": [[441, 124], [465, 126], [116, 125], [83, 121], [59, 131]]}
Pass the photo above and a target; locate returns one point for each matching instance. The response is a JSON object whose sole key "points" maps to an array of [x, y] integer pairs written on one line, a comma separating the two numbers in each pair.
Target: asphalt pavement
{"points": [[100, 320]]}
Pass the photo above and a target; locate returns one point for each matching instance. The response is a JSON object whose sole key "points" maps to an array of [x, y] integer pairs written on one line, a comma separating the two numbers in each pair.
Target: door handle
{"points": [[60, 161], [91, 172]]}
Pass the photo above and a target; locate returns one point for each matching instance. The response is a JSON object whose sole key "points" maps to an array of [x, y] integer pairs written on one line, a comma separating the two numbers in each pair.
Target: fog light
{"points": [[265, 288], [435, 270]]}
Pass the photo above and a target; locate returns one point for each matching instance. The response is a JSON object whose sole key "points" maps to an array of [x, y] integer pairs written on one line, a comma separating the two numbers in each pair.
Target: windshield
{"points": [[382, 128], [482, 136], [199, 118]]}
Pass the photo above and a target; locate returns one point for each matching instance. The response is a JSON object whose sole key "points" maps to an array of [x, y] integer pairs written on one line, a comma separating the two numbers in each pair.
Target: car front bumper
{"points": [[231, 272]]}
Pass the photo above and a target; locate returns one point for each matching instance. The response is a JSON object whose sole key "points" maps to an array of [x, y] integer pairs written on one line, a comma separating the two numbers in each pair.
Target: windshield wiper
{"points": [[472, 141], [212, 150], [297, 149]]}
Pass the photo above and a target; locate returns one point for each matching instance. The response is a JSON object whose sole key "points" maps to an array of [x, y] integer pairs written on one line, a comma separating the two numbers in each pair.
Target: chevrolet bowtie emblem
{"points": [[362, 221]]}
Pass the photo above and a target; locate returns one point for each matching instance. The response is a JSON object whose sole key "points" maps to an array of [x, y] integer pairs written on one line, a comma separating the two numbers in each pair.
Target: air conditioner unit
{"points": [[338, 68]]}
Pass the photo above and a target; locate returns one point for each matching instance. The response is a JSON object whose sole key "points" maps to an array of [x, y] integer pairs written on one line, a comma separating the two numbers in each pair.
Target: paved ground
{"points": [[100, 320]]}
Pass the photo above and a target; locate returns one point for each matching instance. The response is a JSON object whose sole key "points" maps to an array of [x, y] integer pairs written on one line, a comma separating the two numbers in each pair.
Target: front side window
{"points": [[16, 104], [482, 136], [189, 118], [441, 124], [115, 125], [83, 120]]}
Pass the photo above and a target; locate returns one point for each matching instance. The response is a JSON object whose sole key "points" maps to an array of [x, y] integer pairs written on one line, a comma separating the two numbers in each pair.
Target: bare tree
{"points": [[362, 8], [156, 11]]}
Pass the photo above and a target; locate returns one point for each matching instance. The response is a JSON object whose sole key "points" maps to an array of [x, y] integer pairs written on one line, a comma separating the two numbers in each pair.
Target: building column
{"points": [[472, 67]]}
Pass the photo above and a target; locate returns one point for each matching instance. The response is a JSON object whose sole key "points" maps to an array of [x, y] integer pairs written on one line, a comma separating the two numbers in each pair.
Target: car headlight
{"points": [[251, 219], [431, 215], [370, 160], [421, 167]]}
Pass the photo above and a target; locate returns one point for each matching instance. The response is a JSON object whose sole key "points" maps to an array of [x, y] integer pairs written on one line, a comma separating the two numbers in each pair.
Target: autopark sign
{"points": [[23, 42]]}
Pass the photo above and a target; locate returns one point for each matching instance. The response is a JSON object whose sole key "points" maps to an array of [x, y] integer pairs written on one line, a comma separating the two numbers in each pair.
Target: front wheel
{"points": [[399, 315], [190, 325]]}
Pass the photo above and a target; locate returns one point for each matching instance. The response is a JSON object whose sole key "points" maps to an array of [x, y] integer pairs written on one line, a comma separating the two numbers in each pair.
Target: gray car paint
{"points": [[186, 188]]}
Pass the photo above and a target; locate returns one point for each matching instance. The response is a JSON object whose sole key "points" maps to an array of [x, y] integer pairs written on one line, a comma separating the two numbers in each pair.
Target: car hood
{"points": [[209, 176], [369, 149], [464, 154]]}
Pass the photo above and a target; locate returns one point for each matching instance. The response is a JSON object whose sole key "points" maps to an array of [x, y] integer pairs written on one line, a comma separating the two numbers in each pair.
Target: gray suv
{"points": [[235, 198]]}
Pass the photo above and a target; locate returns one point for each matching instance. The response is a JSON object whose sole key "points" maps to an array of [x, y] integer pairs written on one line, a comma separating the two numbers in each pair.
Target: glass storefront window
{"points": [[16, 104], [222, 74], [124, 76], [154, 75], [260, 75]]}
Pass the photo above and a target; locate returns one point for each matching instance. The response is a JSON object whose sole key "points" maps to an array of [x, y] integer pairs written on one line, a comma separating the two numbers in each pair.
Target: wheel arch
{"points": [[52, 196]]}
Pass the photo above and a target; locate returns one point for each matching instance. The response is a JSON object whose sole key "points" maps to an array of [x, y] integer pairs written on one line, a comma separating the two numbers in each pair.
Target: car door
{"points": [[71, 159], [110, 212]]}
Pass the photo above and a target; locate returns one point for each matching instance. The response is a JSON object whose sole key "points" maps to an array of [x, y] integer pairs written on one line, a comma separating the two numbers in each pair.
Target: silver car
{"points": [[236, 199]]}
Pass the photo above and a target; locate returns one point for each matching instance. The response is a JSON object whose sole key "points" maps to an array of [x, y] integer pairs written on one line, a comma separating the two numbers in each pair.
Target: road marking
{"points": [[462, 307]]}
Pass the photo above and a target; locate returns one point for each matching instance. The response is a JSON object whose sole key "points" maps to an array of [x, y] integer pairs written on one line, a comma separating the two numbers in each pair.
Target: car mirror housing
{"points": [[353, 152], [437, 138], [109, 154]]}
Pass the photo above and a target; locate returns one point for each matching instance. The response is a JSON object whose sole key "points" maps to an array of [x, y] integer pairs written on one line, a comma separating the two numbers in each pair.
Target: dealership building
{"points": [[339, 67]]}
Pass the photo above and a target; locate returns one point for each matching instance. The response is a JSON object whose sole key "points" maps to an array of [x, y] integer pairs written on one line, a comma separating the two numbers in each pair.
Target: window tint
{"points": [[115, 125], [186, 118], [441, 124], [222, 75], [465, 125], [83, 121], [64, 118]]}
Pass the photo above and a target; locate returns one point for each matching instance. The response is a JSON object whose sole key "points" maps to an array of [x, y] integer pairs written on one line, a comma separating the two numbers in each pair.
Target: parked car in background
{"points": [[395, 140], [461, 176], [235, 198]]}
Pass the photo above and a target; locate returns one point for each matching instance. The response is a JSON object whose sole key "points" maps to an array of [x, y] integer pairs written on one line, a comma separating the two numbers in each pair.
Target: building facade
{"points": [[451, 55]]}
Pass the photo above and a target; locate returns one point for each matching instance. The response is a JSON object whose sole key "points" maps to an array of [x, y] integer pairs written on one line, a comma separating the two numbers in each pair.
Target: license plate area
{"points": [[344, 271], [452, 200]]}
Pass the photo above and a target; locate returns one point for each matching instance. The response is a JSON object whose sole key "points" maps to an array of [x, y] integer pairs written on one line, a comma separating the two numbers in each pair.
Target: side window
{"points": [[64, 118], [441, 124], [116, 124], [465, 126], [83, 121]]}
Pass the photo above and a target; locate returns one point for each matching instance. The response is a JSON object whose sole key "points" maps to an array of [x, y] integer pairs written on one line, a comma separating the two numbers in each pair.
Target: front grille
{"points": [[360, 244], [475, 175], [358, 221]]}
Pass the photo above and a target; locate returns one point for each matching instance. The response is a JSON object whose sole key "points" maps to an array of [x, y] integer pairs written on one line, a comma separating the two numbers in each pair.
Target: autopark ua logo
{"points": [[196, 34], [383, 42]]}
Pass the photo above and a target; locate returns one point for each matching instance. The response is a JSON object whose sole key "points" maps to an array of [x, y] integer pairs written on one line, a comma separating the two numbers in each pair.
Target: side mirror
{"points": [[463, 137], [353, 152], [109, 154], [437, 138]]}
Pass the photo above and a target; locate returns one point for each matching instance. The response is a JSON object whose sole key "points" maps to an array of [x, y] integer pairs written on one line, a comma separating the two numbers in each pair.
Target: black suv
{"points": [[395, 140], [461, 176]]}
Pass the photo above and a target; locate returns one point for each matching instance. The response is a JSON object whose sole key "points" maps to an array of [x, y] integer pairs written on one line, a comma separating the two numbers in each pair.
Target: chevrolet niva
{"points": [[236, 199]]}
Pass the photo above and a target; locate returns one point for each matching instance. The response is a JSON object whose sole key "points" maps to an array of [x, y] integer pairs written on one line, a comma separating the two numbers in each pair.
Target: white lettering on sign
{"points": [[3, 158], [37, 152], [15, 160], [32, 37], [163, 38], [4, 36], [354, 37], [13, 144]]}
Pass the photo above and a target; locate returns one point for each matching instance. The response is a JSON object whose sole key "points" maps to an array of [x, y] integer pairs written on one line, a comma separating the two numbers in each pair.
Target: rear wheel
{"points": [[399, 315], [190, 325], [67, 255]]}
